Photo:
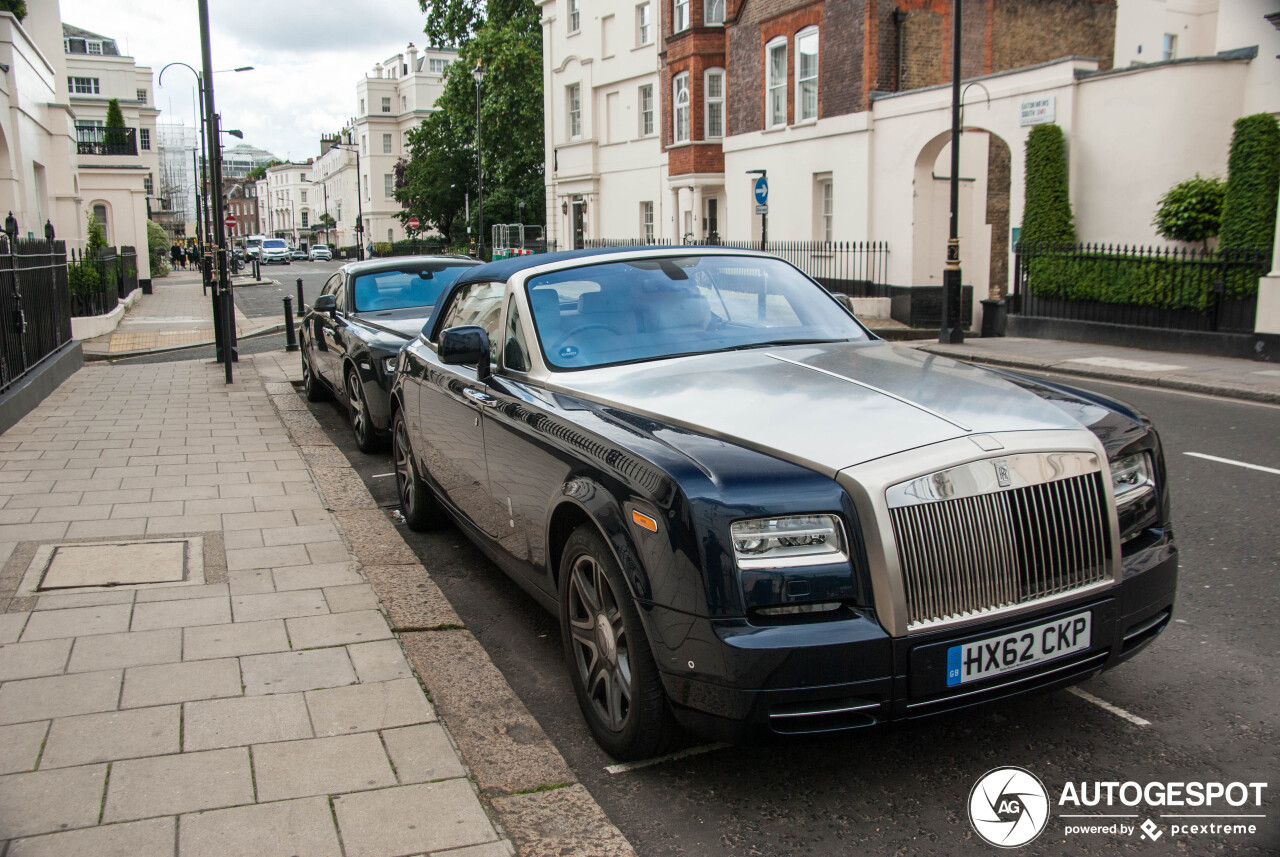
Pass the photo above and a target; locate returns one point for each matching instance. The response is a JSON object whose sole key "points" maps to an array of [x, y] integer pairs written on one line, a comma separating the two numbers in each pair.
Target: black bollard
{"points": [[257, 269], [218, 333], [290, 335], [302, 308]]}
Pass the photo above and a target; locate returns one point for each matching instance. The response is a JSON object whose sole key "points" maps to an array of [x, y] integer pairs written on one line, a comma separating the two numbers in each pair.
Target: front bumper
{"points": [[729, 678]]}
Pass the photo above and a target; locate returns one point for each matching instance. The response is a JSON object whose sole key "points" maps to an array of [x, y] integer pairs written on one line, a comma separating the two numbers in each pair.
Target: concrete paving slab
{"points": [[320, 766], [563, 822], [289, 672], [231, 641], [379, 661], [20, 746], [286, 555], [151, 838], [412, 819], [278, 605], [338, 629], [84, 599], [59, 696], [112, 735], [245, 720], [316, 576], [501, 848], [366, 707], [422, 753], [78, 622], [131, 649], [169, 785], [294, 828], [181, 614], [115, 564], [184, 682], [180, 593], [48, 801], [39, 658], [254, 582], [347, 599], [11, 625]]}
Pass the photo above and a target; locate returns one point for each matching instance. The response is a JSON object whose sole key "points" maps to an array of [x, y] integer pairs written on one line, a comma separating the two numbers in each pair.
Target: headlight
{"points": [[389, 365], [789, 541], [1131, 477]]}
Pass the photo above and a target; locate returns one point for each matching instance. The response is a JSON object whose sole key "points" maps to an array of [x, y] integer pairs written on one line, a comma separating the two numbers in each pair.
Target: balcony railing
{"points": [[107, 141]]}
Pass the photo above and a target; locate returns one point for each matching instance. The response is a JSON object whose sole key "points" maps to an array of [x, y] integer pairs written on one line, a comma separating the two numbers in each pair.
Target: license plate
{"points": [[1007, 652]]}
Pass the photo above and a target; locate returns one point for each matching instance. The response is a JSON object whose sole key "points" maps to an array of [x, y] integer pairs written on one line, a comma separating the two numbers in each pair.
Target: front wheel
{"points": [[366, 437], [416, 503], [314, 388], [613, 671]]}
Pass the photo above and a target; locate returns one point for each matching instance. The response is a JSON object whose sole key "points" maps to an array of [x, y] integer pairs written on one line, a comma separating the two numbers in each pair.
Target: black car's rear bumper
{"points": [[727, 679]]}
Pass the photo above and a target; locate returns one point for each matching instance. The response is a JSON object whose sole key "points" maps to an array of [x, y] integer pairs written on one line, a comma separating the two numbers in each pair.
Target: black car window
{"points": [[417, 285], [341, 295], [515, 353], [477, 303], [331, 284]]}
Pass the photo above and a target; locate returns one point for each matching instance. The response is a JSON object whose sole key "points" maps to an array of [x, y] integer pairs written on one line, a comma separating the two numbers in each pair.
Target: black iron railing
{"points": [[35, 305], [98, 285], [1160, 287], [106, 141]]}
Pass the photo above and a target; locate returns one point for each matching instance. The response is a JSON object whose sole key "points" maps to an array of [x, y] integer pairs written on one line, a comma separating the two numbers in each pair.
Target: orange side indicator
{"points": [[644, 521]]}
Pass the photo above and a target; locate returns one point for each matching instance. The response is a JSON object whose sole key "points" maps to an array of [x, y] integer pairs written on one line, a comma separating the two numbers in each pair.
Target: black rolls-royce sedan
{"points": [[748, 512], [364, 315]]}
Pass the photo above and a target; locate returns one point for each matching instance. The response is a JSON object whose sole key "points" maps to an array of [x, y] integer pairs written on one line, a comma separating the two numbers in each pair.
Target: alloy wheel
{"points": [[599, 642], [359, 418], [405, 488]]}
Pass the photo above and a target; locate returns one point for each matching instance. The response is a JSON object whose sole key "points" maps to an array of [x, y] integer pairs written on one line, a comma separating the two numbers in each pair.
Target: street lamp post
{"points": [[478, 74], [359, 199], [952, 331]]}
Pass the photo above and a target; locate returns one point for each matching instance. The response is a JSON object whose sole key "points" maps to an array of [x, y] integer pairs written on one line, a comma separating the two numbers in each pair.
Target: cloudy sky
{"points": [[307, 58]]}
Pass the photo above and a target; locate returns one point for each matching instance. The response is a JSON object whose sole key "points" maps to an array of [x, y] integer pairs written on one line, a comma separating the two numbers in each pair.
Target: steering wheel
{"points": [[582, 329]]}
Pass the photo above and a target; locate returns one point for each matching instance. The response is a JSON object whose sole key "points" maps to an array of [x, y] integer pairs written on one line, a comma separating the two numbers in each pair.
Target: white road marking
{"points": [[1106, 706], [1118, 363], [381, 475], [1233, 461], [658, 760]]}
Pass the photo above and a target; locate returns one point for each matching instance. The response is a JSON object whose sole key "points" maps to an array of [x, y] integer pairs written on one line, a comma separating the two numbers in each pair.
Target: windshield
{"points": [[275, 244], [644, 309], [411, 286]]}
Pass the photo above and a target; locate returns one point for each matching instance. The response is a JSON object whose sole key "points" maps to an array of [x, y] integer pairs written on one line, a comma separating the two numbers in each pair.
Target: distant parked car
{"points": [[299, 254], [360, 320], [321, 251], [274, 250]]}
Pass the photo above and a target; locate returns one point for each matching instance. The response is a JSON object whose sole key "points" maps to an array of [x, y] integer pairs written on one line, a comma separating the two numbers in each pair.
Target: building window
{"points": [[714, 93], [644, 33], [646, 221], [828, 210], [306, 217], [83, 85], [573, 107], [304, 195], [367, 189], [681, 15], [364, 144], [338, 216], [142, 96], [713, 12], [807, 75], [148, 186], [680, 103], [646, 110], [144, 138], [404, 103], [389, 185], [575, 15], [1170, 47], [386, 104], [361, 106], [386, 144], [95, 47], [437, 66], [776, 51]]}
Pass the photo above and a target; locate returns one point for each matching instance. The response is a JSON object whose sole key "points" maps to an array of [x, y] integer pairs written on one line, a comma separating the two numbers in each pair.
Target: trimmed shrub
{"points": [[1046, 215], [157, 249], [1191, 210], [1253, 177]]}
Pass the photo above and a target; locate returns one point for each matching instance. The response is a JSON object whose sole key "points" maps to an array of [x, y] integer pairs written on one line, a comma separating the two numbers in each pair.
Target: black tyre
{"points": [[610, 662], [311, 385], [358, 409], [416, 503]]}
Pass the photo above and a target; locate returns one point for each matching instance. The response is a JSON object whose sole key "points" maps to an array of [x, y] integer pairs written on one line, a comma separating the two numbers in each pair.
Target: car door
{"points": [[335, 337], [450, 410], [318, 353]]}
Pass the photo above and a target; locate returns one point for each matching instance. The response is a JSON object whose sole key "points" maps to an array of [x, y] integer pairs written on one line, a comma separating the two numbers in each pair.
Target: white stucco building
{"points": [[398, 94], [287, 210]]}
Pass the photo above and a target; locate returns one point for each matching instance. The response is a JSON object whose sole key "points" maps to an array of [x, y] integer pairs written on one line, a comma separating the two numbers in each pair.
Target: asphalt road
{"points": [[265, 301], [1206, 687]]}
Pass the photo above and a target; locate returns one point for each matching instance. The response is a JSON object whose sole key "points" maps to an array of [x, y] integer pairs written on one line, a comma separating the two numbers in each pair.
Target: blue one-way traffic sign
{"points": [[762, 190]]}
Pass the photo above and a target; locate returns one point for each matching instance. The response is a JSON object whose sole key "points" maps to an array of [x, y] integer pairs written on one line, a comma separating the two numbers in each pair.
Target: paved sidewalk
{"points": [[1218, 376], [177, 314], [255, 702]]}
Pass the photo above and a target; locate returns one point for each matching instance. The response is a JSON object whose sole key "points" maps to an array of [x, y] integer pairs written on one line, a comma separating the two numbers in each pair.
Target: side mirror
{"points": [[465, 345], [326, 303]]}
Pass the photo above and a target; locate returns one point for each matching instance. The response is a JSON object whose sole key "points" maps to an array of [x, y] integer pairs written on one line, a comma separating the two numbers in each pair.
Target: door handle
{"points": [[479, 397]]}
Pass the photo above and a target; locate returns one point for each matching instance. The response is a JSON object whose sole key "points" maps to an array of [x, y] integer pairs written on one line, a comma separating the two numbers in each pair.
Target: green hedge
{"points": [[1047, 211], [1253, 178]]}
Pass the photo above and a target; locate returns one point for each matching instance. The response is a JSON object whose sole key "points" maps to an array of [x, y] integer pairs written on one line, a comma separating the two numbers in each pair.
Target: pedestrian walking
{"points": [[193, 256], [175, 254]]}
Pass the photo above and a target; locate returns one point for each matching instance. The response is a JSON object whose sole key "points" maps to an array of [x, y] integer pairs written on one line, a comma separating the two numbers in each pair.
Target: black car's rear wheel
{"points": [[314, 388], [358, 408], [612, 667], [416, 503]]}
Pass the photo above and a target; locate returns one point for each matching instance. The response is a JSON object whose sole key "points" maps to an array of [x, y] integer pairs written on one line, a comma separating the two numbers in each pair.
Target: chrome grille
{"points": [[968, 556]]}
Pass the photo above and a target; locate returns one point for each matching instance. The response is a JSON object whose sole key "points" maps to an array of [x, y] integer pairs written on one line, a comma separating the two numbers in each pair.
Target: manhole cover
{"points": [[73, 566]]}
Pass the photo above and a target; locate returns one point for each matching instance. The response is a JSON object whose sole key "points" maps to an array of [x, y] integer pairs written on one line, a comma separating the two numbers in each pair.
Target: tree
{"points": [[1191, 210], [157, 249], [1253, 179], [451, 23], [17, 7], [1046, 215], [114, 133], [260, 172]]}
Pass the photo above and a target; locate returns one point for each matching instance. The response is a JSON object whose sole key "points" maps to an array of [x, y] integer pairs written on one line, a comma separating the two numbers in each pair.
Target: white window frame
{"points": [[142, 96], [828, 203], [644, 24], [573, 110], [772, 86], [712, 103], [1169, 47], [389, 185], [679, 86], [575, 15], [713, 13], [647, 222], [647, 124], [90, 44], [801, 114], [144, 139], [437, 65], [92, 85], [680, 16], [303, 194], [386, 104], [388, 144]]}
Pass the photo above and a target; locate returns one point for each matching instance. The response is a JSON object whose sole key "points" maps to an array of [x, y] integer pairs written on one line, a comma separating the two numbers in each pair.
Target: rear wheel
{"points": [[613, 671], [358, 407], [416, 503], [311, 385]]}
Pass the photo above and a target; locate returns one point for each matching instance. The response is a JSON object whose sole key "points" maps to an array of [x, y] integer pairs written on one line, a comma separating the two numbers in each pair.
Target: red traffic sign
{"points": [[230, 222], [414, 222]]}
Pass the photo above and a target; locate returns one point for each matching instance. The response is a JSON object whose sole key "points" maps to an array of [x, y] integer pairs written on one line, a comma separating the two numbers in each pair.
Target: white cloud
{"points": [[307, 58]]}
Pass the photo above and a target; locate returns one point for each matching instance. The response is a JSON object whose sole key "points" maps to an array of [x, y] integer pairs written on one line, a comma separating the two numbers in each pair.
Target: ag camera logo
{"points": [[1008, 807]]}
